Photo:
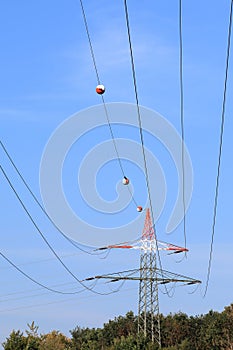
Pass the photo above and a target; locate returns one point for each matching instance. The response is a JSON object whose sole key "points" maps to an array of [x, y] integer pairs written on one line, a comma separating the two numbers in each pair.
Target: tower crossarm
{"points": [[161, 277], [147, 245]]}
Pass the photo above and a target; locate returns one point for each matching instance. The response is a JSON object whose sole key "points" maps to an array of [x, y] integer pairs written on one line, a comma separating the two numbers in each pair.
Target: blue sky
{"points": [[47, 75]]}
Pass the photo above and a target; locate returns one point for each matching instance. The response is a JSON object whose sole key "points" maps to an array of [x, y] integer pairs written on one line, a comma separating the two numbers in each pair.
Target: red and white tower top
{"points": [[148, 232]]}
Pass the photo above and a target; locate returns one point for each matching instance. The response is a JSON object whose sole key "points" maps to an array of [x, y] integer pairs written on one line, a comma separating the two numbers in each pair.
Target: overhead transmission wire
{"points": [[44, 238], [140, 123], [35, 198], [34, 280], [29, 292], [102, 97], [56, 301], [220, 149], [106, 111], [182, 120], [39, 261], [37, 201]]}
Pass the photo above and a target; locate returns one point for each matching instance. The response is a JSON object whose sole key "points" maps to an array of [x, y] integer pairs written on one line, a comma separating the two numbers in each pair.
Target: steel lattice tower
{"points": [[148, 304], [149, 277]]}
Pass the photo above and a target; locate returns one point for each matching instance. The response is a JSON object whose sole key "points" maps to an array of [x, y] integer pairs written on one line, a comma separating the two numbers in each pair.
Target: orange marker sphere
{"points": [[100, 89], [125, 181], [139, 209]]}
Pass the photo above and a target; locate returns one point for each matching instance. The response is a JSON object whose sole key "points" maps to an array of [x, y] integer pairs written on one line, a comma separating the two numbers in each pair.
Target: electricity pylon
{"points": [[149, 277], [148, 302]]}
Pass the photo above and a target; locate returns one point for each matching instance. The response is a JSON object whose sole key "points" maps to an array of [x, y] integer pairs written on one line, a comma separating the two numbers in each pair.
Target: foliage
{"points": [[54, 340], [15, 341], [33, 340], [213, 331]]}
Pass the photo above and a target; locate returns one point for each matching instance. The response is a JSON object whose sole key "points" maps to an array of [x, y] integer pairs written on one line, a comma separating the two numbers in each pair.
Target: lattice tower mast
{"points": [[148, 304]]}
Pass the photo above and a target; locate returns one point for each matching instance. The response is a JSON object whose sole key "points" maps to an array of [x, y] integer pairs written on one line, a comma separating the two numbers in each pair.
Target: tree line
{"points": [[212, 331]]}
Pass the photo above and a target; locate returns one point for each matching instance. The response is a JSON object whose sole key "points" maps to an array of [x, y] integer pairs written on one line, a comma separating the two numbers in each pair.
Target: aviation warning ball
{"points": [[125, 180], [139, 209], [100, 89]]}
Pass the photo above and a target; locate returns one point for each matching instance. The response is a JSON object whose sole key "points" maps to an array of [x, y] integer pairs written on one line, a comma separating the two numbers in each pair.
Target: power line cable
{"points": [[141, 136], [220, 149], [182, 118], [28, 292], [58, 301], [89, 40], [40, 261], [139, 120], [37, 201], [98, 80], [102, 97], [44, 238], [137, 103], [33, 280]]}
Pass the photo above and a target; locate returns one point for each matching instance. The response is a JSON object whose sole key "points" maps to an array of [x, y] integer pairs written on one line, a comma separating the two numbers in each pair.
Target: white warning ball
{"points": [[125, 180], [100, 89]]}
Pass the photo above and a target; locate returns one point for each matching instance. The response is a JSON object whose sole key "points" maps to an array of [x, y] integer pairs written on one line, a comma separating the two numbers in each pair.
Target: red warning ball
{"points": [[125, 180], [100, 89], [139, 209]]}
